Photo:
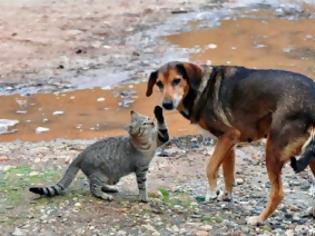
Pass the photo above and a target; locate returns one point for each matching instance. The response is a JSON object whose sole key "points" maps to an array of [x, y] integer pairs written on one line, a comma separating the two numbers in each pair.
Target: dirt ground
{"points": [[70, 71]]}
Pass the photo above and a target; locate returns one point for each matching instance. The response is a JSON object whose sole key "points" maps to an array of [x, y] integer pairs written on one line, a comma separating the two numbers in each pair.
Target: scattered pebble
{"points": [[212, 46], [58, 113], [101, 99], [40, 130]]}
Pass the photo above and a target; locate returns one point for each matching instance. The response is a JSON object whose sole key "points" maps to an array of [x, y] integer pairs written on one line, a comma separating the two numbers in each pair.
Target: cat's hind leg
{"points": [[97, 182]]}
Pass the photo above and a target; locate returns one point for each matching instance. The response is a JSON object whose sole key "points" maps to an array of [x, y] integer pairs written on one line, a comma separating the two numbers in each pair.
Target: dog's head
{"points": [[174, 81]]}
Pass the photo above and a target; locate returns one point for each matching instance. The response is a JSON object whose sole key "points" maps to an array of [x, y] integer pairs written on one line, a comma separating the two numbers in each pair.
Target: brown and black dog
{"points": [[238, 104]]}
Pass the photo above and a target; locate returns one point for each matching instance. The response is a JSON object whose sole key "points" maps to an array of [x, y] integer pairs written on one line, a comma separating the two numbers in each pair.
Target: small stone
{"points": [[175, 228], [202, 233], [58, 113], [300, 229], [40, 130], [21, 112], [239, 181], [34, 173], [101, 99], [19, 232], [289, 232], [77, 204], [152, 229], [212, 46], [3, 158]]}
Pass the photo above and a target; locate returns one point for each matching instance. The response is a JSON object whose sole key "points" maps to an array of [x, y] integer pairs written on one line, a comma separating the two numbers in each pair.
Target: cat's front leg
{"points": [[142, 184]]}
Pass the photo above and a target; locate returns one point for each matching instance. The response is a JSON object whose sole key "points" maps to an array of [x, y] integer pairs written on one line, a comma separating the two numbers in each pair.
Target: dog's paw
{"points": [[254, 220], [211, 195], [224, 196]]}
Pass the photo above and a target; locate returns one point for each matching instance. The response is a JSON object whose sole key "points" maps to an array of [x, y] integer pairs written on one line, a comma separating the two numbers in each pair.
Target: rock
{"points": [[301, 229], [101, 99], [6, 124], [239, 181], [310, 211], [179, 11], [174, 228], [40, 130], [21, 112], [33, 173], [202, 233], [212, 46], [58, 113], [289, 232], [152, 229], [3, 158], [19, 232]]}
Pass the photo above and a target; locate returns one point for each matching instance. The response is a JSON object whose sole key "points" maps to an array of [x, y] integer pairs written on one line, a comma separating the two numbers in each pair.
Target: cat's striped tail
{"points": [[62, 184], [163, 135]]}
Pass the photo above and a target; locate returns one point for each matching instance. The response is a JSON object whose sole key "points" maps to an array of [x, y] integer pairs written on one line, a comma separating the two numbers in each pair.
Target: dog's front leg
{"points": [[223, 149]]}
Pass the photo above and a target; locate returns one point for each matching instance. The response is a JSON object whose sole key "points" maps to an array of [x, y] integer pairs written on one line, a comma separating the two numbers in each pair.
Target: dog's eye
{"points": [[159, 84], [175, 82]]}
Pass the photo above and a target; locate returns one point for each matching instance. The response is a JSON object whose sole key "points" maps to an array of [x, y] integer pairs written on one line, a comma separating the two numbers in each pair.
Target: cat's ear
{"points": [[134, 114]]}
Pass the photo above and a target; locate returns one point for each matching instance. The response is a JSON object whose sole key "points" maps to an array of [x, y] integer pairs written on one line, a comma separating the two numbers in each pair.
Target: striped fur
{"points": [[308, 153], [106, 161]]}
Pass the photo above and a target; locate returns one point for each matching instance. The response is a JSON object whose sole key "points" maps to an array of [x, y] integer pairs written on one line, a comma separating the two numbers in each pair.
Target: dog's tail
{"points": [[62, 184], [308, 153]]}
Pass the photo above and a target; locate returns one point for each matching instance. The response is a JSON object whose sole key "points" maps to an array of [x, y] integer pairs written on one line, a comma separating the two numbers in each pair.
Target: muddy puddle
{"points": [[82, 114], [259, 43]]}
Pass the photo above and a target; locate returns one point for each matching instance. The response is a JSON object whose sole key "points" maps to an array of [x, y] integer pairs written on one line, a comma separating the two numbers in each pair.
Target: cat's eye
{"points": [[176, 82], [149, 123], [159, 84]]}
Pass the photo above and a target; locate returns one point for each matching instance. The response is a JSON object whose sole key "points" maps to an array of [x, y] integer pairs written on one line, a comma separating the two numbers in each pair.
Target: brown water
{"points": [[267, 43], [84, 116]]}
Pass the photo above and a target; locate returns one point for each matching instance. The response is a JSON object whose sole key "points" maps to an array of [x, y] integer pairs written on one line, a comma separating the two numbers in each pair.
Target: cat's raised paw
{"points": [[158, 112]]}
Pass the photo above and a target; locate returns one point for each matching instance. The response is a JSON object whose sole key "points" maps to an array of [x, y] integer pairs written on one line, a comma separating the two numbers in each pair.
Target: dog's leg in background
{"points": [[228, 173], [222, 149], [274, 166], [311, 210]]}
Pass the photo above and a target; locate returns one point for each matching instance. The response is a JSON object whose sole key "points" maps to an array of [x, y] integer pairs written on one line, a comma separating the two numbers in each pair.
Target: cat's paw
{"points": [[143, 197], [106, 197], [158, 112]]}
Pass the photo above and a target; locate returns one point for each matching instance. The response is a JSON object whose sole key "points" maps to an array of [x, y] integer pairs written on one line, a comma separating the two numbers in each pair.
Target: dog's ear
{"points": [[191, 72], [151, 83]]}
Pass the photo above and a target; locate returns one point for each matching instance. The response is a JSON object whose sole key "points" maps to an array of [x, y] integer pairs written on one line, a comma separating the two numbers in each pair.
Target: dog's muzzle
{"points": [[168, 105]]}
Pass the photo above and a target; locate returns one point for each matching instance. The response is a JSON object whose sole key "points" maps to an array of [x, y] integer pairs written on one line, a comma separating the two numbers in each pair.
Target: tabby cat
{"points": [[106, 161]]}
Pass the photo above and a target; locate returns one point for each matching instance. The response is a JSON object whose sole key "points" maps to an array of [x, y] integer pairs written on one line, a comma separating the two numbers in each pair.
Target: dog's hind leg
{"points": [[222, 149], [283, 142], [274, 166]]}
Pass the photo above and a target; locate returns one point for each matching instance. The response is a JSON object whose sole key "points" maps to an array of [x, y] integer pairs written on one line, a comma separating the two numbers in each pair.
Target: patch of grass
{"points": [[17, 180], [212, 219], [165, 194]]}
